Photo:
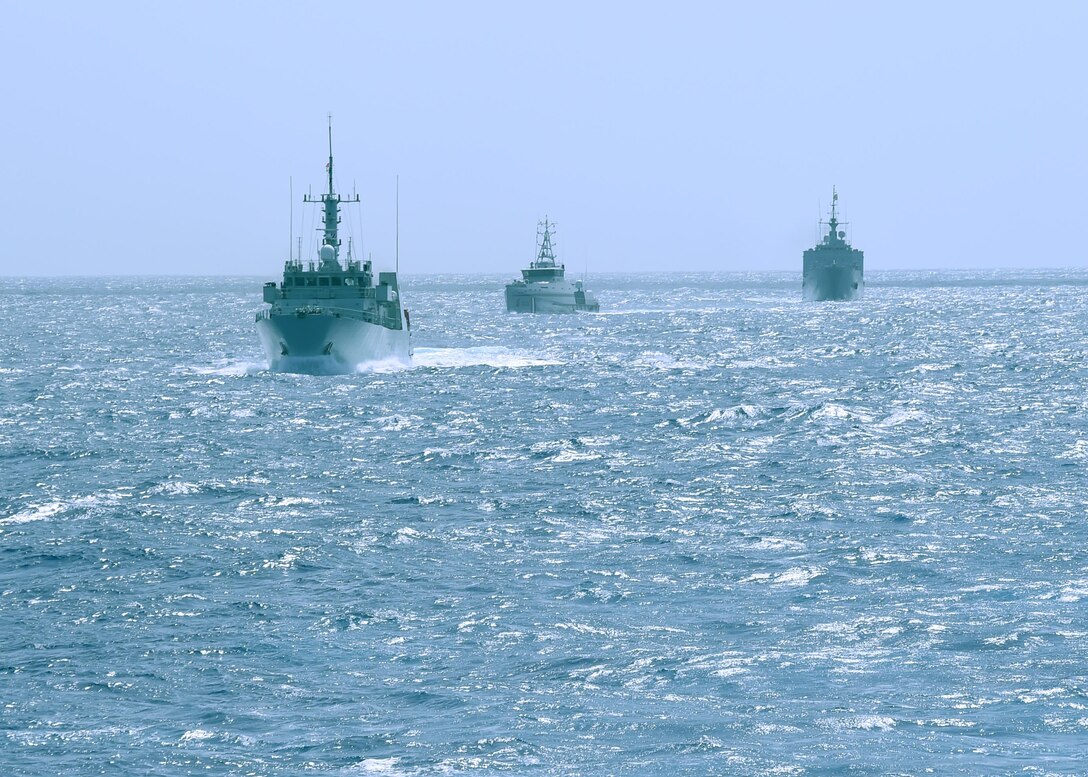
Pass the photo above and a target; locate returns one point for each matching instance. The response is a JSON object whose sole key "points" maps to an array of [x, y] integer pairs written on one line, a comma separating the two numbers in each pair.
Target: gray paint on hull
{"points": [[827, 279], [324, 343], [536, 298]]}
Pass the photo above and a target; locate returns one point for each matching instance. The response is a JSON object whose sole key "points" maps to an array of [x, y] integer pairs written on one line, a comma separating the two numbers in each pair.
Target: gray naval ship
{"points": [[543, 287], [833, 269], [332, 315]]}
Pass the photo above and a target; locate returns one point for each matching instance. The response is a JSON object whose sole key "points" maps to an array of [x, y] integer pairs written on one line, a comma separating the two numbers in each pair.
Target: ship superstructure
{"points": [[543, 287], [833, 270], [332, 314]]}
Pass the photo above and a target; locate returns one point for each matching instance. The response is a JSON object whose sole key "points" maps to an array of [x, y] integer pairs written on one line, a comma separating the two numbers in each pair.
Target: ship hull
{"points": [[328, 344], [840, 277], [537, 298]]}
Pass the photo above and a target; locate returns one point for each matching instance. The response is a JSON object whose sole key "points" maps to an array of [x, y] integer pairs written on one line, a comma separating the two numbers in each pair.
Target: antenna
{"points": [[330, 153], [291, 187], [397, 228], [330, 202]]}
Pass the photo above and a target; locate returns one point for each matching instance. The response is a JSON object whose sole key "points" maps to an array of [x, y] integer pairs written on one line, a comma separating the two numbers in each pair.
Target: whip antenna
{"points": [[396, 229]]}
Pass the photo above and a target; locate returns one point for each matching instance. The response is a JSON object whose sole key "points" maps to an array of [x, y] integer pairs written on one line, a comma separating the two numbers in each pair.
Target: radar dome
{"points": [[841, 233], [327, 253]]}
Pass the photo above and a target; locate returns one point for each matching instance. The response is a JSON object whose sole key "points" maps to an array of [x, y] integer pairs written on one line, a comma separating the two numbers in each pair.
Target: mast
{"points": [[834, 237], [329, 167], [546, 256], [330, 202], [396, 229]]}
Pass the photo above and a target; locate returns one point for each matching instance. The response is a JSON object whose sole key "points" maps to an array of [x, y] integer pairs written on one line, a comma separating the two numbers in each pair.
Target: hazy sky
{"points": [[159, 137]]}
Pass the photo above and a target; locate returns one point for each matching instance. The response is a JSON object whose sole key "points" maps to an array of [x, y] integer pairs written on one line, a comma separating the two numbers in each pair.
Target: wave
{"points": [[233, 369], [480, 356], [726, 415], [663, 361], [48, 510], [795, 576], [376, 766], [434, 358], [323, 365], [382, 366], [36, 513]]}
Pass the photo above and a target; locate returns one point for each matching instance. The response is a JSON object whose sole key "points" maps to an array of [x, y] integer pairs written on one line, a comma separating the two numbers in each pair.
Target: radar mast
{"points": [[330, 202], [546, 256], [834, 236]]}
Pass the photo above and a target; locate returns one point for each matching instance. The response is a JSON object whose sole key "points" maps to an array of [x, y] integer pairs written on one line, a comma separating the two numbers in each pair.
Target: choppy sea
{"points": [[711, 530]]}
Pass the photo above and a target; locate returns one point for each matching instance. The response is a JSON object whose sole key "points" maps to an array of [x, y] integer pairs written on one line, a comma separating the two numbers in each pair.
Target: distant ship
{"points": [[328, 315], [833, 269], [543, 287]]}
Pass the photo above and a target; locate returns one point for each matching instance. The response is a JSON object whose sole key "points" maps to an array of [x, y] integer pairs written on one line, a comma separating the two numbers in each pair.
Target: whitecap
{"points": [[236, 369], [36, 513], [762, 362], [739, 412], [832, 410], [758, 577], [47, 510], [900, 417], [868, 723], [396, 423], [376, 766], [285, 561], [585, 628], [567, 456], [732, 671], [777, 543], [175, 488], [407, 534], [663, 361], [798, 576], [1003, 639], [383, 366], [289, 501], [1078, 450], [480, 356], [923, 368], [1074, 591]]}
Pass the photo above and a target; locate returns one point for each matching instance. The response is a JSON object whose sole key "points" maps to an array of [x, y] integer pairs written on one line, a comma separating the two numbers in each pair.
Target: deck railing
{"points": [[371, 317]]}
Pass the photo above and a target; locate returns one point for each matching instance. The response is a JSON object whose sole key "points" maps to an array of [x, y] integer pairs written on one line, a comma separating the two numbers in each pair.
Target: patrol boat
{"points": [[332, 315], [833, 269], [543, 287]]}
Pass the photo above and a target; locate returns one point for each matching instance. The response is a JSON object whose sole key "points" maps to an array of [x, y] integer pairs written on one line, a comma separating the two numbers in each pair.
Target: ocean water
{"points": [[712, 530]]}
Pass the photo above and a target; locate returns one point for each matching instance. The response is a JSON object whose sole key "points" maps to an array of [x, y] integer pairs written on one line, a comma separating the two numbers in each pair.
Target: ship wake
{"points": [[324, 365], [481, 356]]}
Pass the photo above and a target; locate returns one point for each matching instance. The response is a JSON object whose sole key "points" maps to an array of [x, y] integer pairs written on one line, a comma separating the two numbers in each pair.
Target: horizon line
{"points": [[1002, 268]]}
